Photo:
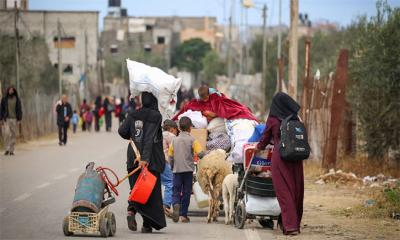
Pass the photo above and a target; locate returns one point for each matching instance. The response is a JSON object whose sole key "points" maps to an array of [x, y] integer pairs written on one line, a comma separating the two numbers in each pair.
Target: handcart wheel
{"points": [[104, 226], [66, 227], [267, 223], [240, 215], [112, 223]]}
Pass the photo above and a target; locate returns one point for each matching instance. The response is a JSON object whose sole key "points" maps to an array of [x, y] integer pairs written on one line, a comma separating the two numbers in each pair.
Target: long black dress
{"points": [[144, 128]]}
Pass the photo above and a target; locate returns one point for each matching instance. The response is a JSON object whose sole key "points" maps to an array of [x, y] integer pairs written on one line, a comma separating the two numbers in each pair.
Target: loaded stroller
{"points": [[255, 198]]}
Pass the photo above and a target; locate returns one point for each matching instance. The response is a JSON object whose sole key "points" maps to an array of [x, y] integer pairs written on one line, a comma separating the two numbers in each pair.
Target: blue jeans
{"points": [[167, 182], [182, 191]]}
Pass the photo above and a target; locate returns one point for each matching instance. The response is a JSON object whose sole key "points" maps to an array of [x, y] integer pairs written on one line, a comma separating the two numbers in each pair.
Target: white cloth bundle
{"points": [[198, 120], [143, 78]]}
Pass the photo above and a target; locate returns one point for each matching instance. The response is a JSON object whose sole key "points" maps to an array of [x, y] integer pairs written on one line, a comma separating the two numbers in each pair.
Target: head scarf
{"points": [[283, 106], [149, 101], [15, 92]]}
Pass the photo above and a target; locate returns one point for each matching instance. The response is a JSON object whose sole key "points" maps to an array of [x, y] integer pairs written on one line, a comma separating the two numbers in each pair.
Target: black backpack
{"points": [[294, 140]]}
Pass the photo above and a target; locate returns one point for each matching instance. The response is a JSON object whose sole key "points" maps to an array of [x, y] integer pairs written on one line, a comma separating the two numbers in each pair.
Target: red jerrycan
{"points": [[143, 187]]}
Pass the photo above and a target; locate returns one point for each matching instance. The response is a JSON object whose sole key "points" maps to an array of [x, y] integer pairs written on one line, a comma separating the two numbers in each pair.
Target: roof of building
{"points": [[49, 11]]}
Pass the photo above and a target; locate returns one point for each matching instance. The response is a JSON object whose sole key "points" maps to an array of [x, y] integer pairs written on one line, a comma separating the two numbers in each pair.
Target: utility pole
{"points": [[59, 58], [241, 40], [86, 91], [293, 48], [278, 69], [229, 54], [264, 58], [16, 46]]}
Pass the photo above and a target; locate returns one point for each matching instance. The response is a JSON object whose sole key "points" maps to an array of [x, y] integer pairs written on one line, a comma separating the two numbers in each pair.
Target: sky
{"points": [[341, 12]]}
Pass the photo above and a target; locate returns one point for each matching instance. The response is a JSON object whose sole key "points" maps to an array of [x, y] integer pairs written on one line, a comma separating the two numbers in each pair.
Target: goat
{"points": [[229, 188]]}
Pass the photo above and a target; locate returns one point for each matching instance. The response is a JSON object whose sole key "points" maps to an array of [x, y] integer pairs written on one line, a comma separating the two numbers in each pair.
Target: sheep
{"points": [[229, 188], [212, 169]]}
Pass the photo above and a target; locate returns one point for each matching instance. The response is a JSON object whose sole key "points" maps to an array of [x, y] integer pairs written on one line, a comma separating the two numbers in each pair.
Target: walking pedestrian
{"points": [[96, 111], [143, 127], [88, 120], [170, 132], [181, 156], [75, 120], [109, 108], [10, 117], [82, 110], [64, 114], [288, 177], [120, 110]]}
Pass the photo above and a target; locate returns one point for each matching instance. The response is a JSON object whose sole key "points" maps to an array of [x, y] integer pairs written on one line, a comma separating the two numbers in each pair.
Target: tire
{"points": [[240, 215], [112, 223], [104, 226], [267, 223], [66, 227]]}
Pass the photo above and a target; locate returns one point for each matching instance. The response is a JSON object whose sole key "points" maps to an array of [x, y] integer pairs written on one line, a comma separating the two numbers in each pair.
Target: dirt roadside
{"points": [[325, 218]]}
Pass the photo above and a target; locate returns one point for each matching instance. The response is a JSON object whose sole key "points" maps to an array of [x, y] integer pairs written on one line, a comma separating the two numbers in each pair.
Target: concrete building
{"points": [[10, 4], [155, 35], [79, 40]]}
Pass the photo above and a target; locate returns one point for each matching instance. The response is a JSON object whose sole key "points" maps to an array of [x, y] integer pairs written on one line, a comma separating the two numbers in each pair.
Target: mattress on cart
{"points": [[264, 206]]}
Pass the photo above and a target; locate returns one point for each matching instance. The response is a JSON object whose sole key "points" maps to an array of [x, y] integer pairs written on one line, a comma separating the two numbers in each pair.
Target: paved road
{"points": [[37, 187]]}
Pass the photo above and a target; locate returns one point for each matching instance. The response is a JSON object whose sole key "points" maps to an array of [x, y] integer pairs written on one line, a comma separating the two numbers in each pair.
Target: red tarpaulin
{"points": [[221, 105]]}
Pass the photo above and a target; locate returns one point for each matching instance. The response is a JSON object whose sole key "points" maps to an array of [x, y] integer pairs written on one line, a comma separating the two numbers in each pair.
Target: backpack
{"points": [[293, 145]]}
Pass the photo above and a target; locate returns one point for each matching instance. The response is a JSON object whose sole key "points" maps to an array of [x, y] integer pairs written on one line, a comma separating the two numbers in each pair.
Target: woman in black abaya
{"points": [[143, 126]]}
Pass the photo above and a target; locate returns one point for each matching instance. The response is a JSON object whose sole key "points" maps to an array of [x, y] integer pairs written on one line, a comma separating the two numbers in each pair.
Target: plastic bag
{"points": [[143, 78], [239, 130], [200, 197], [262, 206]]}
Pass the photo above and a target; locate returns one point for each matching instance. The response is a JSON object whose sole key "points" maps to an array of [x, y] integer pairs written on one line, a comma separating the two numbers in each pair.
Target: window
{"points": [[149, 27], [67, 68], [160, 40], [66, 42], [147, 48], [113, 48]]}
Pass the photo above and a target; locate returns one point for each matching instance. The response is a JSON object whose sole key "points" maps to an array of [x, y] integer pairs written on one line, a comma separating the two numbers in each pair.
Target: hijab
{"points": [[283, 106], [149, 101]]}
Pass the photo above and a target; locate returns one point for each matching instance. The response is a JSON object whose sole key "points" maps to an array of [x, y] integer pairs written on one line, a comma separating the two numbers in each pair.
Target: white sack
{"points": [[267, 206], [239, 131], [143, 78], [198, 120]]}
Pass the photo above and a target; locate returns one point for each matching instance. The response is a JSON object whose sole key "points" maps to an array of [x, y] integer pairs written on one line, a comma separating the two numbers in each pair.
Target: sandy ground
{"points": [[324, 218]]}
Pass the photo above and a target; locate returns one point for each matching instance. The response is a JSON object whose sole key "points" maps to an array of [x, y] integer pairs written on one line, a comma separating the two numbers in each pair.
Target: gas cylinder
{"points": [[89, 192]]}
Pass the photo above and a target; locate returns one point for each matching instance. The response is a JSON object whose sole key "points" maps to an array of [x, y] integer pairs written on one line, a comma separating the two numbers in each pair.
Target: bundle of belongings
{"points": [[143, 78], [229, 123]]}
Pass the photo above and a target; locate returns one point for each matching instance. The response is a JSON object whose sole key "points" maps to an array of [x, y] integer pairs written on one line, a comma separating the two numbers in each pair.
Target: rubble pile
{"points": [[340, 177]]}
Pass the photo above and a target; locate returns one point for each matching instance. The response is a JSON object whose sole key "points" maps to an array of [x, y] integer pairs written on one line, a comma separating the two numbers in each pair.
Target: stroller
{"points": [[255, 197]]}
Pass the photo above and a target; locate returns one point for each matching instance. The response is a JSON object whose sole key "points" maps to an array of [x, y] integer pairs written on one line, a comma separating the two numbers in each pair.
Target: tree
{"points": [[212, 66], [375, 75], [189, 55]]}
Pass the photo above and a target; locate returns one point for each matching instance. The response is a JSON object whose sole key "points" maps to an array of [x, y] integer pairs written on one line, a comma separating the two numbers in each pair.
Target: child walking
{"points": [[75, 120], [170, 131], [181, 153]]}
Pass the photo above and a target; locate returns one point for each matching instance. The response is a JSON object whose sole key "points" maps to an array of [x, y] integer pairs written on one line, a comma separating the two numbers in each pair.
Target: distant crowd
{"points": [[99, 113]]}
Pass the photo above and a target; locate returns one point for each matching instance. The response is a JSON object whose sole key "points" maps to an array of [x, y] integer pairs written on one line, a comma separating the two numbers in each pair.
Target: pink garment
{"points": [[167, 140], [288, 179], [221, 105]]}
